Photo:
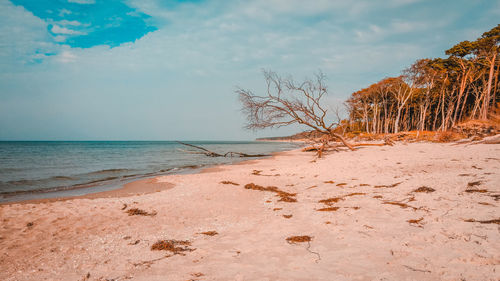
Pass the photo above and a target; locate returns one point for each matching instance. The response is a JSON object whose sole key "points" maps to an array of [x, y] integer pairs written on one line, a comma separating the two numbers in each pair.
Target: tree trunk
{"points": [[486, 102]]}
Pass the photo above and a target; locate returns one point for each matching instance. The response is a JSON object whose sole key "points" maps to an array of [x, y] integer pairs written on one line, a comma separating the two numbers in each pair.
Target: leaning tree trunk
{"points": [[486, 102]]}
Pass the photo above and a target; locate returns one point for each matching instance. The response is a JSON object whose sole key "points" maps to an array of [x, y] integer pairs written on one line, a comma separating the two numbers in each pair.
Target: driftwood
{"points": [[324, 144], [215, 154]]}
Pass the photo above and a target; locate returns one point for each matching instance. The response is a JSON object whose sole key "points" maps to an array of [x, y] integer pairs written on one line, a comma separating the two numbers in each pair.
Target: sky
{"points": [[168, 70]]}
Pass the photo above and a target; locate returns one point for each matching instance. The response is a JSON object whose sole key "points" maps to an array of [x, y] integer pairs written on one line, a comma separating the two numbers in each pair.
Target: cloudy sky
{"points": [[164, 70]]}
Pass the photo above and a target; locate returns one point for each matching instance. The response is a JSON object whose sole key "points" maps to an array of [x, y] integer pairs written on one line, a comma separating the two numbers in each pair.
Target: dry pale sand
{"points": [[381, 230]]}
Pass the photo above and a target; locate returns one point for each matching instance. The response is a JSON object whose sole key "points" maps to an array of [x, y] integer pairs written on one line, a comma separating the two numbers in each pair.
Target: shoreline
{"points": [[138, 186], [432, 208]]}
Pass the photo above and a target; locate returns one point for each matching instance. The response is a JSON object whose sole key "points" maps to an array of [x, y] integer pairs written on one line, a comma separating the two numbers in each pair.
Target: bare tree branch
{"points": [[286, 103]]}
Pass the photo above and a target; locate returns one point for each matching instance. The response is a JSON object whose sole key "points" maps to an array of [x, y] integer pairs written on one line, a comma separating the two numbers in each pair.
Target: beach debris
{"points": [[400, 204], [388, 186], [330, 201], [197, 274], [474, 183], [229, 182], [299, 239], [30, 224], [496, 221], [303, 239], [328, 209], [139, 212], [210, 233], [256, 172], [124, 206], [215, 154], [135, 242], [416, 269], [341, 184], [277, 209], [332, 182], [476, 190], [415, 221], [354, 194], [176, 247], [425, 189], [284, 196], [485, 203], [378, 196], [287, 216]]}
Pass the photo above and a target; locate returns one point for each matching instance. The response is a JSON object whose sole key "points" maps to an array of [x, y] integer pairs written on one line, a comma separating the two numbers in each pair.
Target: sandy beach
{"points": [[417, 211]]}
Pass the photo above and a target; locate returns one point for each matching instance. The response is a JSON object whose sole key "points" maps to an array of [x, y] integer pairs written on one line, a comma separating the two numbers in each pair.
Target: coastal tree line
{"points": [[433, 94]]}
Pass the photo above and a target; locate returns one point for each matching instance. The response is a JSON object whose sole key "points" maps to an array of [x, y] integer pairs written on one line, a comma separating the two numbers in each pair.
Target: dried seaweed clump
{"points": [[328, 209], [388, 186], [284, 196], [476, 190], [416, 221], [425, 189], [299, 239], [177, 247], [474, 183], [210, 233], [229, 182], [330, 201], [402, 205], [496, 221], [354, 194], [139, 212]]}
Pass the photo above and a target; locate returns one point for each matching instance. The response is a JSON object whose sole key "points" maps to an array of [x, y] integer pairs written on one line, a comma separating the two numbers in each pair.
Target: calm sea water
{"points": [[55, 168]]}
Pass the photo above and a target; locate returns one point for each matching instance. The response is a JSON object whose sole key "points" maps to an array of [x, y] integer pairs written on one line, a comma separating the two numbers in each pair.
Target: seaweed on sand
{"points": [[229, 182], [177, 247], [284, 196], [496, 221], [139, 212], [330, 201], [476, 190], [416, 221], [299, 239], [425, 189], [474, 183], [354, 194], [328, 209], [402, 205], [210, 233], [388, 186]]}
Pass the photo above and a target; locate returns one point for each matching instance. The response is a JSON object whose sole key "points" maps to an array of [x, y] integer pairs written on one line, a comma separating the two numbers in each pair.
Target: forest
{"points": [[433, 94]]}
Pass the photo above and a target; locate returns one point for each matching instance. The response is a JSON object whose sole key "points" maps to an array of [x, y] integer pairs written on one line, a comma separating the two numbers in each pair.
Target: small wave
{"points": [[108, 171], [62, 178], [100, 180]]}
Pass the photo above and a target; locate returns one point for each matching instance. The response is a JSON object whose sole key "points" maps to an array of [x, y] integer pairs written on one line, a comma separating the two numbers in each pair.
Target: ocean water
{"points": [[43, 169]]}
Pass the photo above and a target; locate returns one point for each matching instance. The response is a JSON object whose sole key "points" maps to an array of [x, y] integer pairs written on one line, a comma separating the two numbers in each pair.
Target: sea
{"points": [[48, 169]]}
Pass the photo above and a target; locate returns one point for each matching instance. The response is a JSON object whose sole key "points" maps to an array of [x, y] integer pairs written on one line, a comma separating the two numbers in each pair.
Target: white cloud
{"points": [[68, 22], [63, 30], [66, 56], [24, 37], [64, 12]]}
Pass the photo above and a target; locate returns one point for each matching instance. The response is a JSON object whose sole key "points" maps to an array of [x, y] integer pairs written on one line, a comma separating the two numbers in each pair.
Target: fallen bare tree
{"points": [[287, 102], [215, 154]]}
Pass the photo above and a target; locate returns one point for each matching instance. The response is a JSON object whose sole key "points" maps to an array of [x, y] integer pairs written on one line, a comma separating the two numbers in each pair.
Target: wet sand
{"points": [[417, 211]]}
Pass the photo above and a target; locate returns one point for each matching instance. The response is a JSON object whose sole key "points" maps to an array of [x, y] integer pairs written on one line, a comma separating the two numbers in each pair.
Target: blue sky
{"points": [[163, 70]]}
